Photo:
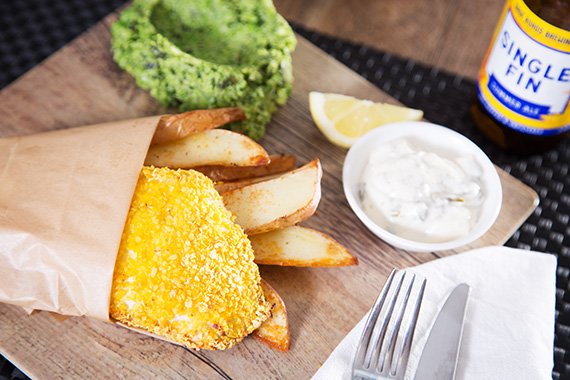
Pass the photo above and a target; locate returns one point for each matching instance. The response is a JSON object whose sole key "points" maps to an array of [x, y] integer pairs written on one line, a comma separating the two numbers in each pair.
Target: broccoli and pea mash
{"points": [[196, 54]]}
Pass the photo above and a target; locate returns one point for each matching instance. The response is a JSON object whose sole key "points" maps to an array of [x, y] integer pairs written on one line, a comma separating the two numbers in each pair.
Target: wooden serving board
{"points": [[81, 85]]}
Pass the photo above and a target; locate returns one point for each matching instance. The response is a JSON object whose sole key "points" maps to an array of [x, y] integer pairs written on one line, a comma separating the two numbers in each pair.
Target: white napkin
{"points": [[509, 325]]}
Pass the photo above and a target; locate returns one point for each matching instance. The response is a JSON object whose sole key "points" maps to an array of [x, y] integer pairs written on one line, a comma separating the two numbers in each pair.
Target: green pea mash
{"points": [[198, 54]]}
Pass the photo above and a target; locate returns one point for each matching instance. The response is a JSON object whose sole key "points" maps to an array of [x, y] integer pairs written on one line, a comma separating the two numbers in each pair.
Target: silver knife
{"points": [[439, 356]]}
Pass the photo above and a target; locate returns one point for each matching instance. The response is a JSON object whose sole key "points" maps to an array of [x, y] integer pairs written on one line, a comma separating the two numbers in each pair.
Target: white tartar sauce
{"points": [[420, 195]]}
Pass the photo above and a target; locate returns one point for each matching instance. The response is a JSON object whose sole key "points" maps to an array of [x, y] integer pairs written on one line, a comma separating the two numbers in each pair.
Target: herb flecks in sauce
{"points": [[420, 195]]}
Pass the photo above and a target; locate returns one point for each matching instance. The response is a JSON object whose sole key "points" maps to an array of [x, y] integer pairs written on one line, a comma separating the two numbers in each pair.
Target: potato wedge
{"points": [[280, 202], [278, 164], [300, 247], [223, 187], [274, 331], [212, 147], [175, 127]]}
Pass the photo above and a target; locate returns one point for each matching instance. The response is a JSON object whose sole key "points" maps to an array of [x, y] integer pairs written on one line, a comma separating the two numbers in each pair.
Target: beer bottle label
{"points": [[524, 82]]}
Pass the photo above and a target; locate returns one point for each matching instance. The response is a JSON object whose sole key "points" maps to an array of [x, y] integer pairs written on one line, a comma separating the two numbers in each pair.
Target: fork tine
{"points": [[370, 323], [384, 346], [381, 327], [400, 360], [389, 352]]}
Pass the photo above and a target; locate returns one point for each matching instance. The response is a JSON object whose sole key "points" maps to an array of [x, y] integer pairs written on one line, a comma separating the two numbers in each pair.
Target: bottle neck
{"points": [[555, 12]]}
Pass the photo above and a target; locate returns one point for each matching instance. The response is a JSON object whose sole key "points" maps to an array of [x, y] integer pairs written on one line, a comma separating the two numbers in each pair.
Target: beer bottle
{"points": [[523, 88]]}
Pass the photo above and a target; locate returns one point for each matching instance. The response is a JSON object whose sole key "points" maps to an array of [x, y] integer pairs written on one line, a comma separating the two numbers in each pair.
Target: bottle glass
{"points": [[523, 88]]}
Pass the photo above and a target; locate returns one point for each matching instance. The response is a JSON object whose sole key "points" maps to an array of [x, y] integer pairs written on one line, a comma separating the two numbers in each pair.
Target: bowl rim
{"points": [[409, 129]]}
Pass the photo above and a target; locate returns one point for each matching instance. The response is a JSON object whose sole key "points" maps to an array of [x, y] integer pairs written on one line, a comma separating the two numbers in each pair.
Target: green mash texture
{"points": [[197, 54]]}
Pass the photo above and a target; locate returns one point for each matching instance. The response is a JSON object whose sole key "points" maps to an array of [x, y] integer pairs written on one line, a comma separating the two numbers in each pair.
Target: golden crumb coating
{"points": [[185, 270]]}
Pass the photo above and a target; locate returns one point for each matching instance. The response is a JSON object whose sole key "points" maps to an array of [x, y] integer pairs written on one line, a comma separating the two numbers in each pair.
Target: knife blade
{"points": [[439, 356]]}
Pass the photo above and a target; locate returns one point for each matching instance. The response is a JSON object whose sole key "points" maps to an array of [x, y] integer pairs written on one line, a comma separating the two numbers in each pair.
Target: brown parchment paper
{"points": [[64, 199]]}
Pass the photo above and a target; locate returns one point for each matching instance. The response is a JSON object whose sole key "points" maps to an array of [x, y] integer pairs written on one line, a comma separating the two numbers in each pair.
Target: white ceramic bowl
{"points": [[434, 138]]}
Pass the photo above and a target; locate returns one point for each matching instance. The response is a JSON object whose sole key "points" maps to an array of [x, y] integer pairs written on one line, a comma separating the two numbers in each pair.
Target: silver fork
{"points": [[384, 347]]}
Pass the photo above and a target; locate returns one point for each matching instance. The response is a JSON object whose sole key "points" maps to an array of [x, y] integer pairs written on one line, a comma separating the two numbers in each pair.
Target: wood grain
{"points": [[81, 85], [449, 34]]}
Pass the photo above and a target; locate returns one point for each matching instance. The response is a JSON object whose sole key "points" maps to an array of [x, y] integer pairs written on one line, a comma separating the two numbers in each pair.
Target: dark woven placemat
{"points": [[31, 30]]}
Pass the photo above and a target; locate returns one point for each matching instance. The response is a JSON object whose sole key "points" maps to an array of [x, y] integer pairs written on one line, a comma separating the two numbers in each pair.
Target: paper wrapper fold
{"points": [[64, 199]]}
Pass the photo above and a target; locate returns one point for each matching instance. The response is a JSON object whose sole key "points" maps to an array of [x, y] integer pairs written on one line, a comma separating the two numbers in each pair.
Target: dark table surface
{"points": [[31, 30]]}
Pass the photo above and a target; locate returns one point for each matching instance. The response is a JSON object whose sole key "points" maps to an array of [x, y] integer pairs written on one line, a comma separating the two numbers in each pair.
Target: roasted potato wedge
{"points": [[212, 147], [223, 187], [278, 164], [280, 202], [175, 127], [300, 247], [274, 331]]}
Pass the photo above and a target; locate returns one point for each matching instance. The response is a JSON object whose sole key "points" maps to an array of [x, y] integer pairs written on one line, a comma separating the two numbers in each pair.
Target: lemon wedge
{"points": [[343, 119]]}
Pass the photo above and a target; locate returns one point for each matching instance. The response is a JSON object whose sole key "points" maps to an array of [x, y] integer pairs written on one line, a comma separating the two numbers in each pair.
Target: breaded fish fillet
{"points": [[185, 270]]}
